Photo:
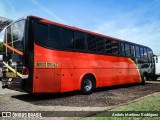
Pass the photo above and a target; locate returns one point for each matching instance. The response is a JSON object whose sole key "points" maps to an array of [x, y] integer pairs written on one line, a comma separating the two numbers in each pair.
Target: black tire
{"points": [[155, 78], [87, 85], [144, 79]]}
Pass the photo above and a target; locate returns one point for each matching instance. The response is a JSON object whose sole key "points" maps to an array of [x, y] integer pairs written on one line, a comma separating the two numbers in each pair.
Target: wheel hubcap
{"points": [[87, 85]]}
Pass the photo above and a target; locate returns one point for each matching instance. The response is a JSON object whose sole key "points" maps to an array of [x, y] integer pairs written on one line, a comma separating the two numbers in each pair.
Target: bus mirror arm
{"points": [[156, 58]]}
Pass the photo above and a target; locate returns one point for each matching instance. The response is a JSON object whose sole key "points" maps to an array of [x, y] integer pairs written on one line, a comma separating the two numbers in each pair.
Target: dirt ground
{"points": [[102, 99]]}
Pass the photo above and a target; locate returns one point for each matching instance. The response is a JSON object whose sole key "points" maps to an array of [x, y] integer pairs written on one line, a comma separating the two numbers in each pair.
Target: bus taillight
{"points": [[25, 71]]}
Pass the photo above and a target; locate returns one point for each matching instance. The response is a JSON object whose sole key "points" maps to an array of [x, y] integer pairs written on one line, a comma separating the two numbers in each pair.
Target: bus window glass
{"points": [[145, 53], [122, 49], [18, 45], [115, 47], [79, 40], [132, 51], [150, 54], [91, 43], [17, 30], [41, 32], [8, 35], [14, 35], [108, 48], [54, 37], [17, 34], [67, 39], [137, 51], [3, 35], [127, 50], [47, 36], [100, 46], [141, 52]]}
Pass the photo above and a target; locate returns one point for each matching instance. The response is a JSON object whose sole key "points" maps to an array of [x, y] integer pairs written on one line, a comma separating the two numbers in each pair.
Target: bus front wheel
{"points": [[154, 78], [144, 79], [87, 85]]}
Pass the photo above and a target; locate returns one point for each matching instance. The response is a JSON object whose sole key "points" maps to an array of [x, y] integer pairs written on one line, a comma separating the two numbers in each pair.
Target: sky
{"points": [[136, 21]]}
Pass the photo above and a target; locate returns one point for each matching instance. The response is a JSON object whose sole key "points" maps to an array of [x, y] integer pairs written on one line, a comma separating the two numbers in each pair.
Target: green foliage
{"points": [[150, 103], [1, 48]]}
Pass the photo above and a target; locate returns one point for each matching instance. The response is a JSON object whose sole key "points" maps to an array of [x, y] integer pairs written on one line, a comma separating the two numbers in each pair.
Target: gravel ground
{"points": [[101, 99]]}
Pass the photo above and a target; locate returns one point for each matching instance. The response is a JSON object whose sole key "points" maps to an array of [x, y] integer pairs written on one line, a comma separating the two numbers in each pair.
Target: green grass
{"points": [[150, 103]]}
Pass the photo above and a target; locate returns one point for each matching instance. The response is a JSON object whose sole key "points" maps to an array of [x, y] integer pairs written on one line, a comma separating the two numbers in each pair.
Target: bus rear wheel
{"points": [[87, 85]]}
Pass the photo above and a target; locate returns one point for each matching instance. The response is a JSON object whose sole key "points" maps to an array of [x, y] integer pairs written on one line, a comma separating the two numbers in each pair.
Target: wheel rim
{"points": [[87, 85]]}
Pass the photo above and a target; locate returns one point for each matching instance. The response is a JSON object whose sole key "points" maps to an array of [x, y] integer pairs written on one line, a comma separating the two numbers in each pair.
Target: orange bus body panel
{"points": [[70, 68]]}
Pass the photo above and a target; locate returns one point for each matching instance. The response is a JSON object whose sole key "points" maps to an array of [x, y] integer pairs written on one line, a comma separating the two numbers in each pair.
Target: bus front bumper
{"points": [[10, 83]]}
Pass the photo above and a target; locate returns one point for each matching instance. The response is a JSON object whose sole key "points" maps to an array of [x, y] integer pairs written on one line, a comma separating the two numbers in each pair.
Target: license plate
{"points": [[10, 74]]}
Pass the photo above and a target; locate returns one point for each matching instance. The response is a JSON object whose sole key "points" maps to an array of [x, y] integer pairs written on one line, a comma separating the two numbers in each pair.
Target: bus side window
{"points": [[115, 47], [145, 54], [79, 40], [54, 36], [100, 45], [132, 51], [122, 49], [108, 48], [41, 33], [141, 52], [67, 39], [137, 51], [127, 50], [91, 43]]}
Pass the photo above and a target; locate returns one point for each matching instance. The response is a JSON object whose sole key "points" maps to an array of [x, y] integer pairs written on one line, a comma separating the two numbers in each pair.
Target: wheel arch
{"points": [[88, 74]]}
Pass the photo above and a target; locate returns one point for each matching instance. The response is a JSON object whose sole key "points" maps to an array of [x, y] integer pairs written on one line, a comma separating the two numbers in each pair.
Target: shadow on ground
{"points": [[47, 96], [102, 97]]}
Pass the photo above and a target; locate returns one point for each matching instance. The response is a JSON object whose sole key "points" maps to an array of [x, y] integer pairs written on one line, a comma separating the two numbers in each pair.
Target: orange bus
{"points": [[42, 56]]}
